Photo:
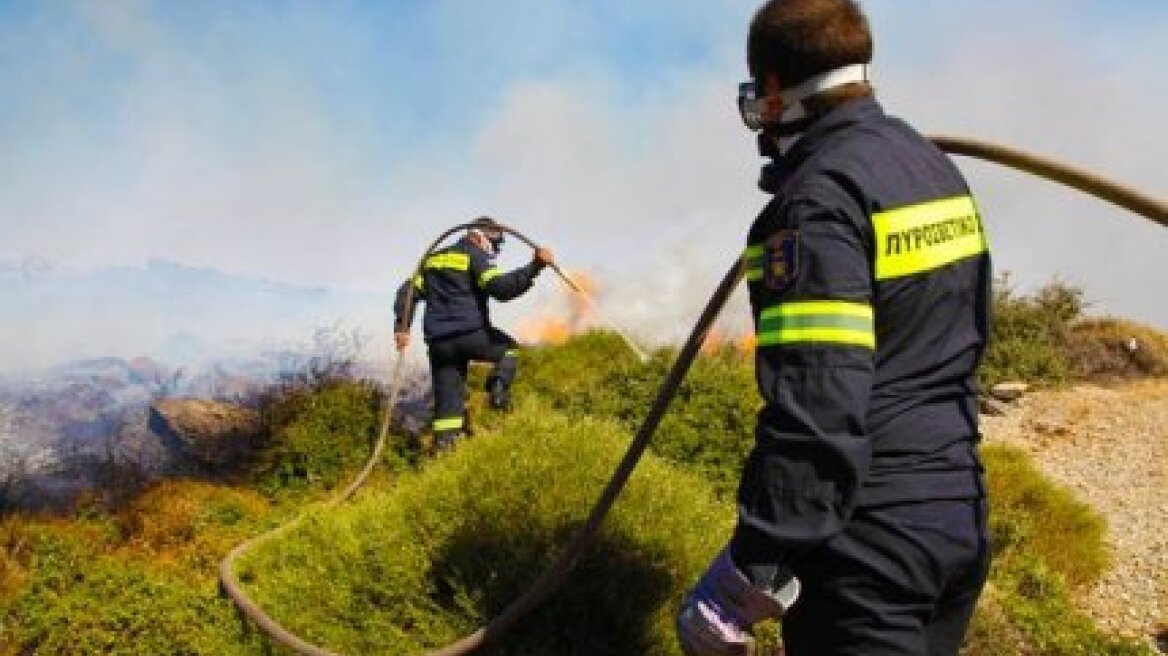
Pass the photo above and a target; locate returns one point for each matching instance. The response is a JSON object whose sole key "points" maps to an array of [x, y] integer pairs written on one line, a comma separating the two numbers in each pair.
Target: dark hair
{"points": [[797, 39]]}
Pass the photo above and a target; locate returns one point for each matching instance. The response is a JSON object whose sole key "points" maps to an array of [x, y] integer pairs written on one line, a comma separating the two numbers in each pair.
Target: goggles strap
{"points": [[824, 81]]}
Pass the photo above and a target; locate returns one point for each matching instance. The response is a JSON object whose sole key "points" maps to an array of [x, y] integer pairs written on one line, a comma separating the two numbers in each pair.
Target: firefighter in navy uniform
{"points": [[455, 283], [861, 508]]}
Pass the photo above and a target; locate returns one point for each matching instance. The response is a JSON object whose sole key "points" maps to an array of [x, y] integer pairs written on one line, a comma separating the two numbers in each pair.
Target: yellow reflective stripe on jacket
{"points": [[419, 282], [833, 322], [488, 275], [753, 259], [927, 236], [448, 423], [456, 261]]}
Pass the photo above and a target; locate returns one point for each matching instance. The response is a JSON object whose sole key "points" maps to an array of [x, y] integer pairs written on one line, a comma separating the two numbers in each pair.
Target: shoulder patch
{"points": [[781, 264]]}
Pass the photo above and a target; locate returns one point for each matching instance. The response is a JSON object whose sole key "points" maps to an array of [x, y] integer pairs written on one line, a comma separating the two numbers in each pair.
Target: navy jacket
{"points": [[869, 280], [455, 283]]}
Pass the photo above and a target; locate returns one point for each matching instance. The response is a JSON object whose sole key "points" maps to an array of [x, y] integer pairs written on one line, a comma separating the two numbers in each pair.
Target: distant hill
{"points": [[162, 309]]}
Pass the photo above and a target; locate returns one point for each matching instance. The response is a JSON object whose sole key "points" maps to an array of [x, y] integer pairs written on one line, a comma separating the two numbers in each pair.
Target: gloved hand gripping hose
{"points": [[640, 353], [1147, 206]]}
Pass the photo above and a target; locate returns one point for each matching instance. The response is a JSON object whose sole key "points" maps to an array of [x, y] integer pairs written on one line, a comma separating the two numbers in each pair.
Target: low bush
{"points": [[85, 589], [1045, 544], [1029, 334], [1032, 517], [420, 562], [709, 427], [318, 437], [106, 606], [420, 565], [1108, 349], [185, 527]]}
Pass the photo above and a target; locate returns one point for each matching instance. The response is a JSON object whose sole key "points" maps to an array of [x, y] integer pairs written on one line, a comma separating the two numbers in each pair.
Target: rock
{"points": [[987, 405], [1009, 391], [212, 432]]}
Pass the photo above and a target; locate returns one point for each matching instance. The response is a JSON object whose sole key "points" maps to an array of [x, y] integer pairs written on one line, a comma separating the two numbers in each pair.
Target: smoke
{"points": [[1059, 79], [656, 197], [312, 144]]}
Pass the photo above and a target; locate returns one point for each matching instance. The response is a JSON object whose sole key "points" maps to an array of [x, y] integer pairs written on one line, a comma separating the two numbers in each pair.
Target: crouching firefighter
{"points": [[861, 508], [455, 283]]}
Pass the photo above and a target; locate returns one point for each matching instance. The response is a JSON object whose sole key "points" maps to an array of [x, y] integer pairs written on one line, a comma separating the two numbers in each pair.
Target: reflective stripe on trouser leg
{"points": [[447, 431], [449, 377], [448, 423]]}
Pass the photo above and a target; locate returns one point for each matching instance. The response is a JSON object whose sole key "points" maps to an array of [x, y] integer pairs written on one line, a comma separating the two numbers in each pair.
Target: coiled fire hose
{"points": [[1090, 183]]}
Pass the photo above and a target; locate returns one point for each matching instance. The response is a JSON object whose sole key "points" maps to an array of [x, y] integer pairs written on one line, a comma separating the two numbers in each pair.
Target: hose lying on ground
{"points": [[1151, 208]]}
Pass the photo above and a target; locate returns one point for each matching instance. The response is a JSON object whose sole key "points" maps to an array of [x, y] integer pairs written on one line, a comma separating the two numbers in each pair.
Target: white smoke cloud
{"points": [[1044, 76], [666, 188], [235, 149]]}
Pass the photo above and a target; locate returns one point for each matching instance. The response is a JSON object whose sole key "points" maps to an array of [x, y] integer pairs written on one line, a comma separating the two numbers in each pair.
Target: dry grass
{"points": [[187, 525], [1108, 350], [22, 536]]}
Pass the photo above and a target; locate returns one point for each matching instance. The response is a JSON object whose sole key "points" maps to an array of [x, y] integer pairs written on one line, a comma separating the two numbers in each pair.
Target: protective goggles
{"points": [[750, 105]]}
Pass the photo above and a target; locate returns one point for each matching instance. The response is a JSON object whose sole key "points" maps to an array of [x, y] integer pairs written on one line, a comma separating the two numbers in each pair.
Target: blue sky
{"points": [[327, 142]]}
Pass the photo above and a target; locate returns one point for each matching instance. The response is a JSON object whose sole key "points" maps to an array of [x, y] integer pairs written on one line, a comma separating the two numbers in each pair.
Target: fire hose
{"points": [[1152, 208]]}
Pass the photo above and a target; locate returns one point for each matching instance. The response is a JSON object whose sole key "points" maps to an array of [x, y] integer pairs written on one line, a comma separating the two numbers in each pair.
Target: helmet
{"points": [[489, 229]]}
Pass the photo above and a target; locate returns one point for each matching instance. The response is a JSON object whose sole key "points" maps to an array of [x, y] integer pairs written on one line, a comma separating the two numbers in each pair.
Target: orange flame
{"points": [[718, 339], [747, 343], [715, 340], [573, 312], [550, 326]]}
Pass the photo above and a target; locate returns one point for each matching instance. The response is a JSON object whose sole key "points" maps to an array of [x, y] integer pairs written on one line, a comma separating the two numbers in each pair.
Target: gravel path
{"points": [[1110, 445]]}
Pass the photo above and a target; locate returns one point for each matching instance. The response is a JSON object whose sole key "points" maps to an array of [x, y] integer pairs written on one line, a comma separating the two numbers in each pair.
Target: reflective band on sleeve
{"points": [[419, 283], [456, 261], [488, 275], [752, 261], [832, 322], [927, 236], [448, 423]]}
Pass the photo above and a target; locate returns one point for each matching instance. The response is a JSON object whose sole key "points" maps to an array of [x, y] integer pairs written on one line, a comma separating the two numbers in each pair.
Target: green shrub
{"points": [[112, 609], [1033, 517], [1025, 610], [1029, 334], [185, 527], [319, 437], [1045, 542], [426, 560], [709, 426], [448, 548], [76, 602]]}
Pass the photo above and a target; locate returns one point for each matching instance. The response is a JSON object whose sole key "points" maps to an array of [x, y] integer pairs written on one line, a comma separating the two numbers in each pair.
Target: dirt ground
{"points": [[1109, 445]]}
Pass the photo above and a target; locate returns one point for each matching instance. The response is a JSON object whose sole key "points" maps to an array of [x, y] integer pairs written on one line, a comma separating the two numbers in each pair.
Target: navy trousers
{"points": [[449, 360], [897, 581]]}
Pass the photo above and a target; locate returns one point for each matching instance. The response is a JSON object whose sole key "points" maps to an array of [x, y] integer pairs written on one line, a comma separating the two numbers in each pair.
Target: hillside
{"points": [[435, 546], [1110, 446]]}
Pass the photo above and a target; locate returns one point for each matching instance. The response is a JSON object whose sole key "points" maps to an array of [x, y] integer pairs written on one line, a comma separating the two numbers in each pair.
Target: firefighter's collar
{"points": [[795, 120], [822, 82]]}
